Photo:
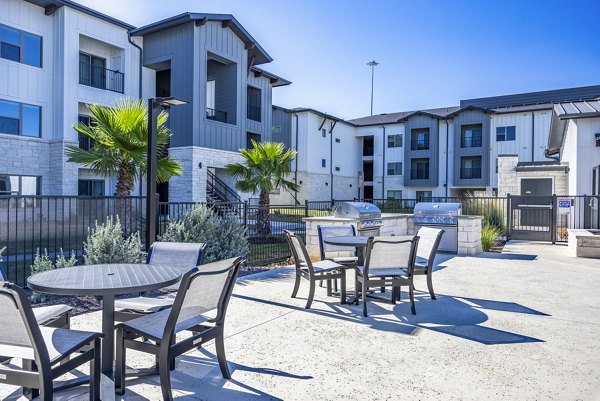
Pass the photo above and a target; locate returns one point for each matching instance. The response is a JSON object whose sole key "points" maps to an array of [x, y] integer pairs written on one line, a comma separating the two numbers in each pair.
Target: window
{"points": [[470, 168], [394, 194], [423, 195], [91, 188], [419, 139], [324, 133], [19, 185], [254, 101], [323, 163], [20, 119], [505, 133], [470, 136], [394, 141], [22, 47], [394, 168], [92, 71], [419, 169], [250, 136], [85, 142]]}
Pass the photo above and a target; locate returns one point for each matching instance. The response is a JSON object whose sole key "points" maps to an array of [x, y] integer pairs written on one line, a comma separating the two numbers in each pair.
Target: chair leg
{"points": [[329, 288], [412, 299], [382, 290], [46, 389], [430, 286], [364, 296], [311, 294], [335, 285], [220, 345], [95, 372], [165, 375], [30, 393], [343, 287], [120, 360], [172, 362], [296, 285]]}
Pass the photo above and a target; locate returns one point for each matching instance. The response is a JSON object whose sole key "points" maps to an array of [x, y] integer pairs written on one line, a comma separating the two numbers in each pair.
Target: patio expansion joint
{"points": [[261, 324]]}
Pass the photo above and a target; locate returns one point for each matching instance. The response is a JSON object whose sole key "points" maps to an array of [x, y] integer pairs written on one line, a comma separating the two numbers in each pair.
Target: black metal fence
{"points": [[32, 223]]}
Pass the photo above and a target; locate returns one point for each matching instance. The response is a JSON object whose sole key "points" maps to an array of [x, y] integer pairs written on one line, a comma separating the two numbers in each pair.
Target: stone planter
{"points": [[584, 243]]}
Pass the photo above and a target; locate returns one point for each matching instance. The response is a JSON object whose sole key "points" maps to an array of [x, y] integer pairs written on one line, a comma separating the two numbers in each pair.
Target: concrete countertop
{"points": [[465, 216], [384, 216]]}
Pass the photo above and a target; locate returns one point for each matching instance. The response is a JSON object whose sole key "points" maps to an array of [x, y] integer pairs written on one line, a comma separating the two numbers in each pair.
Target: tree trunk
{"points": [[125, 179], [123, 207], [263, 221]]}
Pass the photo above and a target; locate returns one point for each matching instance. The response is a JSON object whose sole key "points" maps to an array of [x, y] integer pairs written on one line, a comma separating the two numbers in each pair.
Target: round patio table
{"points": [[106, 281]]}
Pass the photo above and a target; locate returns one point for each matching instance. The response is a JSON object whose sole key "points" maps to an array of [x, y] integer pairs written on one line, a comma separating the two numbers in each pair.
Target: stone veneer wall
{"points": [[313, 188], [469, 235], [508, 177], [584, 244]]}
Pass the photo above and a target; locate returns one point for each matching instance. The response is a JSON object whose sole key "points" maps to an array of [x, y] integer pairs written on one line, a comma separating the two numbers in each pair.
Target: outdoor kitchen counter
{"points": [[393, 224]]}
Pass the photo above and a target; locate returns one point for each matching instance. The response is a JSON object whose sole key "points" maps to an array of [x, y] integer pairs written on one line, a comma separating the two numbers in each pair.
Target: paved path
{"points": [[522, 325]]}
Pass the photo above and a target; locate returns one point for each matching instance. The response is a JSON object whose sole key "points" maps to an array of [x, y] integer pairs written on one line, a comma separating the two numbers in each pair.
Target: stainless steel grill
{"points": [[443, 216], [367, 216]]}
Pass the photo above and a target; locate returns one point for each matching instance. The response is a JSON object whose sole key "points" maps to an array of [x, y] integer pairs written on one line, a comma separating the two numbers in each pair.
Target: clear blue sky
{"points": [[432, 53]]}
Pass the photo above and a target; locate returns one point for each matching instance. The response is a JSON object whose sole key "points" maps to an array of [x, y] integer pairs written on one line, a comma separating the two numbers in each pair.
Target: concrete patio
{"points": [[522, 325]]}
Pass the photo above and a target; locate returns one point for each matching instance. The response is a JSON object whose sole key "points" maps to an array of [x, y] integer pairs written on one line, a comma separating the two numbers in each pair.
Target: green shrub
{"points": [[224, 236], [489, 235], [105, 244], [494, 217], [42, 263]]}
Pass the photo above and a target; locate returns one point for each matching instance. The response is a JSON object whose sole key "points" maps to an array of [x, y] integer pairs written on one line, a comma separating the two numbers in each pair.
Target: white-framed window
{"points": [[423, 195], [394, 168], [19, 185], [90, 188], [394, 141], [394, 194], [507, 133], [20, 119], [20, 46]]}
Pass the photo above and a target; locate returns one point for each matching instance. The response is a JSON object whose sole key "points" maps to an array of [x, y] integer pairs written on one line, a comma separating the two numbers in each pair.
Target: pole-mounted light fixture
{"points": [[153, 105], [372, 64]]}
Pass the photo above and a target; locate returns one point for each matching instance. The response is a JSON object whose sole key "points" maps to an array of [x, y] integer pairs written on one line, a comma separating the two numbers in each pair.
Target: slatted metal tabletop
{"points": [[107, 281]]}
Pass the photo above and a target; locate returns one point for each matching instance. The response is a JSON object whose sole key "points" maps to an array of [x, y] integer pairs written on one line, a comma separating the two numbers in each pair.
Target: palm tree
{"points": [[120, 137], [266, 167]]}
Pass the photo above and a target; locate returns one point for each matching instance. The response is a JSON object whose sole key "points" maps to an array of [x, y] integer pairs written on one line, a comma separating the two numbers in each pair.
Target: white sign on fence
{"points": [[564, 205]]}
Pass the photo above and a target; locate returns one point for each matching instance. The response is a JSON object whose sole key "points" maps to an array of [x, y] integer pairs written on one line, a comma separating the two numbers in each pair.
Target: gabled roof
{"points": [[76, 6], [394, 118], [440, 113], [275, 79], [563, 112], [470, 108], [227, 20]]}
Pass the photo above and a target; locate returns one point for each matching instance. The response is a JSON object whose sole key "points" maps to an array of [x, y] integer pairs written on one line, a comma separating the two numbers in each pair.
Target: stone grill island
{"points": [[469, 230]]}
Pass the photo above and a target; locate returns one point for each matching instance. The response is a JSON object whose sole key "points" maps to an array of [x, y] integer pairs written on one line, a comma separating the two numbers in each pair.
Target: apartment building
{"points": [[57, 57], [494, 145]]}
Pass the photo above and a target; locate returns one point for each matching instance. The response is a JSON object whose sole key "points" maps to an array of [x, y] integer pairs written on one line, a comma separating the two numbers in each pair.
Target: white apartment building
{"points": [[494, 145], [57, 57]]}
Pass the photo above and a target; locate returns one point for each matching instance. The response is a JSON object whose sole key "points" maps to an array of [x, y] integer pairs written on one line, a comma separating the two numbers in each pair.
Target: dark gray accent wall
{"points": [[175, 45], [419, 122], [471, 117], [551, 96], [282, 127], [225, 77]]}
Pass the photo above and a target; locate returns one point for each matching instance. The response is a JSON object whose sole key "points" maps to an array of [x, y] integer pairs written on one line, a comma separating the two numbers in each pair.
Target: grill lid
{"points": [[437, 209], [358, 210]]}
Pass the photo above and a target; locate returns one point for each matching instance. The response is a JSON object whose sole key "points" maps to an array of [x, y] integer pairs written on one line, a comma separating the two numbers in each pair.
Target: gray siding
{"points": [[264, 126], [552, 96], [175, 45], [469, 118], [282, 119], [225, 77], [417, 122]]}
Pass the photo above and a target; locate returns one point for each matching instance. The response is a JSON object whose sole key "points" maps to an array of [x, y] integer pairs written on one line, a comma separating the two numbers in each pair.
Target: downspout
{"points": [[447, 148], [532, 135], [384, 170], [296, 161], [139, 84], [331, 163]]}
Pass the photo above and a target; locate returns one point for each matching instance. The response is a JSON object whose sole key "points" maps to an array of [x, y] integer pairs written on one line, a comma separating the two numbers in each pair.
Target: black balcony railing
{"points": [[216, 115], [471, 142], [419, 144], [254, 112], [85, 142], [419, 174], [470, 173], [102, 78]]}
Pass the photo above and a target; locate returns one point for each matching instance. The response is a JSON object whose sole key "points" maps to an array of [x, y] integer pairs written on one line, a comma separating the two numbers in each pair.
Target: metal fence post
{"points": [[246, 214], [508, 216], [553, 219], [306, 208]]}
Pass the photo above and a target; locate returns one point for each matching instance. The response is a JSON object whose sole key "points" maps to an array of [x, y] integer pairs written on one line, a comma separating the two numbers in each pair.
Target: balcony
{"points": [[85, 142], [470, 173], [101, 78], [216, 115], [253, 112], [471, 142], [419, 174], [419, 144]]}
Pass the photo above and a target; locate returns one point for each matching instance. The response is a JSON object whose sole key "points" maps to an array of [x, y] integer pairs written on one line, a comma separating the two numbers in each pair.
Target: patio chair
{"points": [[200, 307], [179, 255], [349, 259], [44, 350], [50, 315], [389, 262], [429, 241], [324, 270]]}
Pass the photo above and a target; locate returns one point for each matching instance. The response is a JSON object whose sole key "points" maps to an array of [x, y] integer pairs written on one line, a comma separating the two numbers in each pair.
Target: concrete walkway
{"points": [[522, 325]]}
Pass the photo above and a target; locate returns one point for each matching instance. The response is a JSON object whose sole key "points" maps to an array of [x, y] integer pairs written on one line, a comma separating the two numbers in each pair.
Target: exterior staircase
{"points": [[221, 196]]}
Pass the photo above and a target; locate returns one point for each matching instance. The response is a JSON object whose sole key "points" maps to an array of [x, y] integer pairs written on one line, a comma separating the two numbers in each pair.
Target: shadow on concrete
{"points": [[507, 256]]}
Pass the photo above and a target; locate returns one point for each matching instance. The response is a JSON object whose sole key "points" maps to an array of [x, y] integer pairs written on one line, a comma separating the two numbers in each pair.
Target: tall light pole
{"points": [[372, 64], [153, 105]]}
